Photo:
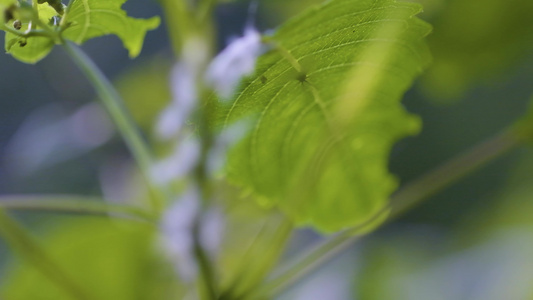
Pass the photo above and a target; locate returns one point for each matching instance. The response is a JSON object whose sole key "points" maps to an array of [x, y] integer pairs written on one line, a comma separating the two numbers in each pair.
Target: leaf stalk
{"points": [[122, 119]]}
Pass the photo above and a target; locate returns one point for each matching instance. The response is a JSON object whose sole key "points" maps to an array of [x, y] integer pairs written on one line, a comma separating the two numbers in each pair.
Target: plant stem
{"points": [[206, 284], [73, 205], [179, 22], [118, 112], [24, 245], [453, 170], [205, 9], [408, 196]]}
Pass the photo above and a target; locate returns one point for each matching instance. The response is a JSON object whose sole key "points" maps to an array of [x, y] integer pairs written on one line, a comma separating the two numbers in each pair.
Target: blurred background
{"points": [[471, 241]]}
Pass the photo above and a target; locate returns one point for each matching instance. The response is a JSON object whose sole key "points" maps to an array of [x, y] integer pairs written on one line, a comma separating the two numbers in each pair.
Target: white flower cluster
{"points": [[177, 232], [233, 63], [222, 75]]}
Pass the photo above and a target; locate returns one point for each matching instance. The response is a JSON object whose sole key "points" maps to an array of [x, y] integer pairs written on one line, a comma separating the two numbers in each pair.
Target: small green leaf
{"points": [[94, 18], [5, 6], [328, 111], [31, 50]]}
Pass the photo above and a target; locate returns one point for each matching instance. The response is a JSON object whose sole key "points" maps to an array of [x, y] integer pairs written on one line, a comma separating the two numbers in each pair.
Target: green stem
{"points": [[179, 22], [206, 284], [453, 170], [23, 244], [32, 33], [408, 196], [73, 205], [205, 9], [118, 112]]}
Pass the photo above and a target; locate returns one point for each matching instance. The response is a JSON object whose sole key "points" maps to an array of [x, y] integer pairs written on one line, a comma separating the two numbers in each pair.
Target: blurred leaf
{"points": [[403, 268], [4, 6], [476, 41], [109, 260], [145, 90], [83, 20], [524, 126], [94, 18], [319, 146], [31, 50], [252, 235], [386, 262]]}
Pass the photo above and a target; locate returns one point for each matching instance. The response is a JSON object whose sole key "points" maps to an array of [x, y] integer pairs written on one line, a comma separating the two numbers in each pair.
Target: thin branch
{"points": [[119, 113], [73, 205]]}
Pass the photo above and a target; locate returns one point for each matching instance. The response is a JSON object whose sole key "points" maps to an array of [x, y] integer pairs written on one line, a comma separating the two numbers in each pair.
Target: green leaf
{"points": [[4, 7], [31, 50], [94, 18], [477, 41], [523, 127], [108, 260], [146, 91], [323, 125]]}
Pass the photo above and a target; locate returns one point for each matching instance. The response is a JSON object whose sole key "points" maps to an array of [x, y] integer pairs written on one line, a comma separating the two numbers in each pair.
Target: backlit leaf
{"points": [[31, 50], [323, 125], [94, 18]]}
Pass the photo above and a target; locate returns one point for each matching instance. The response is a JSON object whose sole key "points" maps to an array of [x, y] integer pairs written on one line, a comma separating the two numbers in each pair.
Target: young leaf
{"points": [[94, 18], [327, 108], [32, 49], [5, 10]]}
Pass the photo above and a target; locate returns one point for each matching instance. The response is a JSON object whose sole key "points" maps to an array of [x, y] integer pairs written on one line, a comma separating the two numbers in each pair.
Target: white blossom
{"points": [[235, 61], [184, 98], [212, 230], [183, 159], [177, 228], [223, 142], [183, 86]]}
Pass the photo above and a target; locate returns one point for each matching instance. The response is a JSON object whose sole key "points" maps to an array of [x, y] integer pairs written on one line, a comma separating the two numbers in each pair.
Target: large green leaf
{"points": [[321, 136], [94, 18]]}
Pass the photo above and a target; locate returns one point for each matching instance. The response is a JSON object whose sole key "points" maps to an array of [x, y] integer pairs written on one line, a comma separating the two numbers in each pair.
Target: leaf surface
{"points": [[94, 18], [108, 260], [31, 50], [323, 125]]}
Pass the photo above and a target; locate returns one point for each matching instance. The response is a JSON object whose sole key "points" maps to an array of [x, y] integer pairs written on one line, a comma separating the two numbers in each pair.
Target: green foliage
{"points": [[327, 111], [524, 126], [487, 257], [56, 4], [109, 260], [5, 10], [82, 20], [145, 90], [94, 18], [476, 41], [31, 49]]}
